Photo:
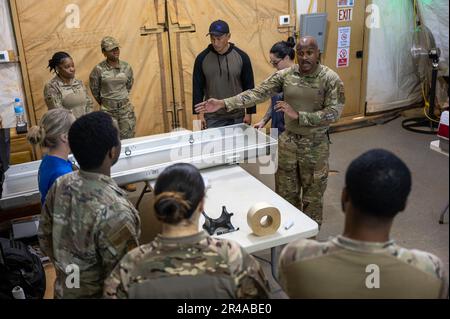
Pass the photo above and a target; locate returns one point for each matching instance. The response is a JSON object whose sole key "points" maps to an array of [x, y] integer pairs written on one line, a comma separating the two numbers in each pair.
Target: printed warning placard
{"points": [[344, 34], [343, 55]]}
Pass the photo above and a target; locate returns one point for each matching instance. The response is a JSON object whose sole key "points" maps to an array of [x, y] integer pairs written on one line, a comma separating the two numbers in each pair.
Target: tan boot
{"points": [[130, 187]]}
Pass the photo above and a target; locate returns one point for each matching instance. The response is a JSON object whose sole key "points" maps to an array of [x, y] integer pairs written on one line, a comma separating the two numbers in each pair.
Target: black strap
{"points": [[2, 178], [328, 135]]}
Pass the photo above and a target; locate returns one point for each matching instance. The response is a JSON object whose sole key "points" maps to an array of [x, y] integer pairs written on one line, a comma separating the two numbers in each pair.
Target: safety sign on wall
{"points": [[345, 15], [345, 3], [344, 34], [343, 45], [343, 56]]}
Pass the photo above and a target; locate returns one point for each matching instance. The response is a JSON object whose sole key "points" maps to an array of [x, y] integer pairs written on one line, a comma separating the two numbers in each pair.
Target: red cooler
{"points": [[443, 132]]}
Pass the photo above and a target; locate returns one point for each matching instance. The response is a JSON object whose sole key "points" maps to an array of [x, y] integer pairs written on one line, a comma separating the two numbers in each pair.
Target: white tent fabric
{"points": [[392, 81], [10, 76], [434, 14]]}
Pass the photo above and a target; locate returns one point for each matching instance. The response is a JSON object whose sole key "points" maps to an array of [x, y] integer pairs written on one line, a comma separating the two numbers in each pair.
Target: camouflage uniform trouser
{"points": [[302, 172], [123, 113]]}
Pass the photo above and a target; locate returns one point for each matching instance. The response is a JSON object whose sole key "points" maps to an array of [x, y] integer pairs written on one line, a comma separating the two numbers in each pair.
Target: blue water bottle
{"points": [[21, 124]]}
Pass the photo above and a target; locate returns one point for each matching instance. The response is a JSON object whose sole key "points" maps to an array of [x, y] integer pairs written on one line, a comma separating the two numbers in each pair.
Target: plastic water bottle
{"points": [[18, 293], [21, 124]]}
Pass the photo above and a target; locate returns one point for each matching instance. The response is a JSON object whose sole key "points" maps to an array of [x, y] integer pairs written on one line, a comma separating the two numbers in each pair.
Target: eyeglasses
{"points": [[275, 63]]}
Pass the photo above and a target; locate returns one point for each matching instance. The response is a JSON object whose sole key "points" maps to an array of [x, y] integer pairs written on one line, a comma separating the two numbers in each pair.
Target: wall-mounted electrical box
{"points": [[314, 24], [285, 21]]}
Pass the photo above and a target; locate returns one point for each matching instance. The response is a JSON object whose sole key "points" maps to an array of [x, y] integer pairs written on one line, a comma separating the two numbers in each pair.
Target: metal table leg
{"points": [[441, 219], [274, 262], [147, 189]]}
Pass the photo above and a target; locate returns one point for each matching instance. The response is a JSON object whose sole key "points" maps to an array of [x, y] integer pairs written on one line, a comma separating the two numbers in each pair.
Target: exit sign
{"points": [[345, 15]]}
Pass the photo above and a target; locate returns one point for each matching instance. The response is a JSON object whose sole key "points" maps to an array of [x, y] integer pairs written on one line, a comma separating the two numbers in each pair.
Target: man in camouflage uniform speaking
{"points": [[87, 223], [111, 82], [314, 98]]}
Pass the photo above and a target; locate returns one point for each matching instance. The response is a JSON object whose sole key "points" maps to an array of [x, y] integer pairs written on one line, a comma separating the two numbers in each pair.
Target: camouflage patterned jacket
{"points": [[318, 98], [109, 83], [87, 223], [196, 266], [72, 96], [346, 268]]}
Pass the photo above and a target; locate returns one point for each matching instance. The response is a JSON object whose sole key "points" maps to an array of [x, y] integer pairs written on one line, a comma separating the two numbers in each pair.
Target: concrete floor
{"points": [[417, 227]]}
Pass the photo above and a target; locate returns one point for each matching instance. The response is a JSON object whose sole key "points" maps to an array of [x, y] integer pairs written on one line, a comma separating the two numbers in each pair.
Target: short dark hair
{"points": [[284, 48], [178, 190], [56, 60], [91, 137], [378, 183]]}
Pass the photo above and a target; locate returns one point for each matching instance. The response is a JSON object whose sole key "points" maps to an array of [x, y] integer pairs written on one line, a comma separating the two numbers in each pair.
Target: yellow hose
{"points": [[426, 107]]}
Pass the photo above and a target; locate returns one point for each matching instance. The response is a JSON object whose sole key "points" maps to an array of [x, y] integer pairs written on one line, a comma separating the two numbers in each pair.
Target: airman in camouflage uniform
{"points": [[313, 99], [111, 82], [86, 221], [338, 268], [182, 267], [365, 262], [73, 96]]}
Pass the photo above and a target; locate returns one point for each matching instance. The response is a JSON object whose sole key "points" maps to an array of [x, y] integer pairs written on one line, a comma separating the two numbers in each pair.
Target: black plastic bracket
{"points": [[221, 225]]}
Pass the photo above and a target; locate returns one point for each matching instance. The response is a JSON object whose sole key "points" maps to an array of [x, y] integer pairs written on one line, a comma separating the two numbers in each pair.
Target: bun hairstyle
{"points": [[284, 48], [36, 134], [53, 124], [56, 60], [171, 207], [179, 190]]}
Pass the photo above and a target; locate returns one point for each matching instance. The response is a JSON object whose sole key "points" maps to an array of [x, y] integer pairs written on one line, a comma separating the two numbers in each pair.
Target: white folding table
{"points": [[235, 188]]}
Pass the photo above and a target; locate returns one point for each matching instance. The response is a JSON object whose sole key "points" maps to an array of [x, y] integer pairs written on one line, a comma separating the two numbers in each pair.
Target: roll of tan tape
{"points": [[263, 219]]}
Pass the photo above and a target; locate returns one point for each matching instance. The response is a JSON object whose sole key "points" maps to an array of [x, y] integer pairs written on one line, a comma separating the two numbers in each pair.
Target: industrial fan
{"points": [[426, 59]]}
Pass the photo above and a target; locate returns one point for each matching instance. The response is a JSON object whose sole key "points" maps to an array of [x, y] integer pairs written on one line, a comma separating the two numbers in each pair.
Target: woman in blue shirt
{"points": [[52, 133], [282, 56]]}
